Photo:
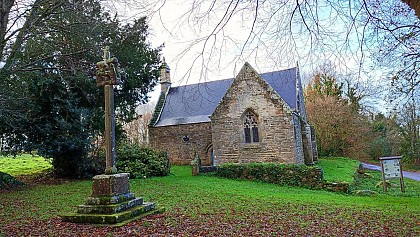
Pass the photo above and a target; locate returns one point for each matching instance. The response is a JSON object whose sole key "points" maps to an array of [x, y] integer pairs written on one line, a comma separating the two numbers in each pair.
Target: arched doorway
{"points": [[210, 154]]}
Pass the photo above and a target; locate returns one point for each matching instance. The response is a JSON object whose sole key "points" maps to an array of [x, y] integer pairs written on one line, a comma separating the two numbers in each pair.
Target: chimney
{"points": [[165, 77]]}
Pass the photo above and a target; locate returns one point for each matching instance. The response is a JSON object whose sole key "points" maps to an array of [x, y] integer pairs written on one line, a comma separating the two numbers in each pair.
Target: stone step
{"points": [[105, 200], [109, 209], [147, 208]]}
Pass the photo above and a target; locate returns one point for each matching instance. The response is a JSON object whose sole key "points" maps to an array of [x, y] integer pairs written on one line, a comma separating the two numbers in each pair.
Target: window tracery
{"points": [[251, 128]]}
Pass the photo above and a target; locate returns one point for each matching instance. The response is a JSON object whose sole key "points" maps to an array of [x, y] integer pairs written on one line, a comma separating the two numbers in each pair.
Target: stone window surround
{"points": [[250, 122]]}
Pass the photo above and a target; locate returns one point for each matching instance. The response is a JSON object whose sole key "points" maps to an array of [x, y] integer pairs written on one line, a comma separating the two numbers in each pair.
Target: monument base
{"points": [[111, 203]]}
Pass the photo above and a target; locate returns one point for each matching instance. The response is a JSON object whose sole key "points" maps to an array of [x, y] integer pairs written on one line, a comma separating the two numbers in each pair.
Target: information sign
{"points": [[391, 168]]}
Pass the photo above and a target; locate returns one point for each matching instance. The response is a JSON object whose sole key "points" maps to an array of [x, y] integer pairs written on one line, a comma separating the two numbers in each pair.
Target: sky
{"points": [[194, 58]]}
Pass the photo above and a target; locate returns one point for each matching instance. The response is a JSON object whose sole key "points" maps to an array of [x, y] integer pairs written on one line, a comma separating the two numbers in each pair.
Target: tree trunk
{"points": [[415, 5]]}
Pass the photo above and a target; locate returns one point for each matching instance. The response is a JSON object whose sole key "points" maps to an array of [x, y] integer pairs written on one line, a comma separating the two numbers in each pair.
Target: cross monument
{"points": [[107, 75], [111, 201]]}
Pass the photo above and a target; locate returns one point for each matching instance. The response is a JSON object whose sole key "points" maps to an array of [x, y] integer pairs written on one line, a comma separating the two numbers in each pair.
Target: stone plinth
{"points": [[110, 185], [111, 203]]}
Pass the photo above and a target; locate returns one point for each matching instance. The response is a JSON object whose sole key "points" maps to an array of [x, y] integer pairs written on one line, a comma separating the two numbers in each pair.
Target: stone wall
{"points": [[314, 145], [338, 187], [307, 143], [171, 140], [300, 154], [275, 123]]}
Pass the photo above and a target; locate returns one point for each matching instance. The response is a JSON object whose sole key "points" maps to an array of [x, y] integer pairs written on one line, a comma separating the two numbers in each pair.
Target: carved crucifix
{"points": [[107, 74]]}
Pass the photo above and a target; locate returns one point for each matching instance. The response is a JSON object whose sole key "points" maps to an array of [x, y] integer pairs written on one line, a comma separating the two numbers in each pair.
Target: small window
{"points": [[251, 128], [186, 138]]}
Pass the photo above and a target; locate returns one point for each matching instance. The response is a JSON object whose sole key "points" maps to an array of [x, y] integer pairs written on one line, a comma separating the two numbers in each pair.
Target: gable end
{"points": [[246, 72]]}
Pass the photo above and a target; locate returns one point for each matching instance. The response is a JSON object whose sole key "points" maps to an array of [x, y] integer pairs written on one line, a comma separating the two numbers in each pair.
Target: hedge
{"points": [[282, 174]]}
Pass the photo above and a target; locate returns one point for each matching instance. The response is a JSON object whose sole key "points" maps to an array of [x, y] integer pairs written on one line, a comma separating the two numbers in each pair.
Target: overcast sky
{"points": [[194, 60], [184, 46]]}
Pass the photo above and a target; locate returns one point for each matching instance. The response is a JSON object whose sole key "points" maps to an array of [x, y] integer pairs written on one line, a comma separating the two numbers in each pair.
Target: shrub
{"points": [[282, 174], [141, 161], [69, 161], [379, 147]]}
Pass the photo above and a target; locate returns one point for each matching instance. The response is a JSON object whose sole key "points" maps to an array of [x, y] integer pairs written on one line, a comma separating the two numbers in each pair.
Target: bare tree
{"points": [[377, 40], [137, 130], [275, 32]]}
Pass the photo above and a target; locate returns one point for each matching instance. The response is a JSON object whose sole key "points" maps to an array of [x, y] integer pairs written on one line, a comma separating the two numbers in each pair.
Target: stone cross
{"points": [[107, 74]]}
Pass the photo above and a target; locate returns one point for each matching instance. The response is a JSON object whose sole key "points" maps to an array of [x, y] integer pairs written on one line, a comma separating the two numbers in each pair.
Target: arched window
{"points": [[251, 127]]}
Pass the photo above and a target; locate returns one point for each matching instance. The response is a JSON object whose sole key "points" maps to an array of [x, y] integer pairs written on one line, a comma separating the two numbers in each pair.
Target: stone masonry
{"points": [[208, 119], [275, 123], [180, 152], [111, 203]]}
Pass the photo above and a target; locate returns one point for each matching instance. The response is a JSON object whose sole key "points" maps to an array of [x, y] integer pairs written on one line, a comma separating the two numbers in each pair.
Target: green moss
{"points": [[103, 200], [365, 193], [158, 109], [381, 183], [122, 217]]}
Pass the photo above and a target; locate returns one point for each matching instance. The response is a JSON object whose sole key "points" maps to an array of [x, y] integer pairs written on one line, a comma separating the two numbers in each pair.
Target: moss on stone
{"points": [[111, 208], [9, 182], [121, 217], [106, 200], [380, 184], [365, 193]]}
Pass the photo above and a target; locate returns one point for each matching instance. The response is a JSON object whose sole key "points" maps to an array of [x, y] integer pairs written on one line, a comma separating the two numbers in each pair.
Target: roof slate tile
{"points": [[196, 102]]}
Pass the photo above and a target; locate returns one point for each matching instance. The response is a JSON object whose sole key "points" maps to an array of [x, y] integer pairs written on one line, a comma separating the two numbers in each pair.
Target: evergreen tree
{"points": [[54, 69]]}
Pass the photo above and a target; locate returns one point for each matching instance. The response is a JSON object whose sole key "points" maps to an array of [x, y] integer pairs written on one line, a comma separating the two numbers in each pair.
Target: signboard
{"points": [[391, 168]]}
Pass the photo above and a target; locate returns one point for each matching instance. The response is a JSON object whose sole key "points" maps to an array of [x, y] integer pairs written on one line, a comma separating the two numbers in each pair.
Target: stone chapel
{"points": [[250, 118]]}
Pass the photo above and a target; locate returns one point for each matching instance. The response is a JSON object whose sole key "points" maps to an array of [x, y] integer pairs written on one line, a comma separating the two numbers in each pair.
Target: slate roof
{"points": [[196, 102]]}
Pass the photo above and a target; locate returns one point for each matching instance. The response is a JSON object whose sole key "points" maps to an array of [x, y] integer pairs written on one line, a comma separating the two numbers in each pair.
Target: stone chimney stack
{"points": [[165, 77]]}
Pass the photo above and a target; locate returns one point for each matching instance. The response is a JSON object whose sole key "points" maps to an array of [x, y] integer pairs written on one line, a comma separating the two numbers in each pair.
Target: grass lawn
{"points": [[24, 164], [211, 206], [338, 168]]}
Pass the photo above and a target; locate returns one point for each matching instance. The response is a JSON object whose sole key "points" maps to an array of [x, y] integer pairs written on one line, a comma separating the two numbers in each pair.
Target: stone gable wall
{"points": [[170, 139], [277, 144]]}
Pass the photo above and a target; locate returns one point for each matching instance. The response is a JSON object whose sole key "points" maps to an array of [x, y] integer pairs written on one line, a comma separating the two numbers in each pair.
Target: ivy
{"points": [[282, 174]]}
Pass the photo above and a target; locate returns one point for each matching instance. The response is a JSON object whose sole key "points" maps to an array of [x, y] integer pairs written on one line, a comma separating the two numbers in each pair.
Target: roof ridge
{"points": [[193, 103], [205, 82], [201, 83]]}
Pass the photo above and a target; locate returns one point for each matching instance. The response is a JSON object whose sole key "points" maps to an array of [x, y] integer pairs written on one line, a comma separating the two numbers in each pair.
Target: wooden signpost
{"points": [[391, 169]]}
